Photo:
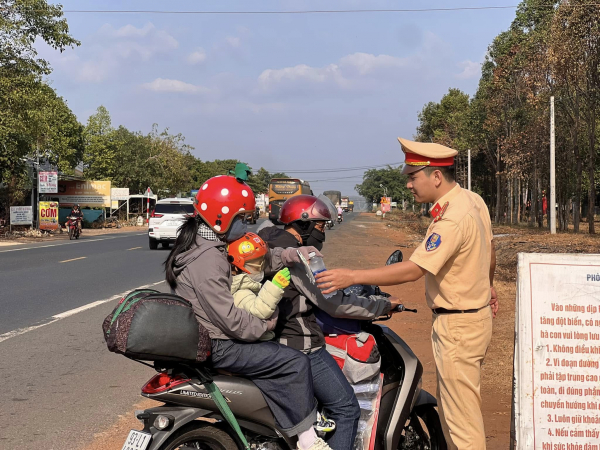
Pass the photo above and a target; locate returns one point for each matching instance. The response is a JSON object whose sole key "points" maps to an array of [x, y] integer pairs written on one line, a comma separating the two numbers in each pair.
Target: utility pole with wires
{"points": [[469, 169], [552, 205]]}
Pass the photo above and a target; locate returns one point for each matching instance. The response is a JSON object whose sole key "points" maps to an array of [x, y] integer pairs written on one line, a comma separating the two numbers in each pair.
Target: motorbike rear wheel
{"points": [[200, 436], [424, 431]]}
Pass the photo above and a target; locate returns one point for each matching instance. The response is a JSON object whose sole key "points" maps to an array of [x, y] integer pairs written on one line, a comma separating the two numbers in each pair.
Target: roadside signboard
{"points": [[556, 402], [94, 194], [21, 215], [49, 216], [386, 204], [119, 194], [48, 182]]}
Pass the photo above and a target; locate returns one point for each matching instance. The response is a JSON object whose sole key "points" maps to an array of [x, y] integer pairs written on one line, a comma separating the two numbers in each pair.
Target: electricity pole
{"points": [[552, 205]]}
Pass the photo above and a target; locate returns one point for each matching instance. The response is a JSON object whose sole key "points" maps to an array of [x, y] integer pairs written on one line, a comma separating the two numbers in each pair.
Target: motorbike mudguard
{"points": [[425, 398], [180, 416], [400, 411]]}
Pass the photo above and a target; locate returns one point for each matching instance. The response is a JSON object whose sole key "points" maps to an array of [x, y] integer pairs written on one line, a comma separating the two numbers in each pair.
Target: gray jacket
{"points": [[204, 278], [297, 326]]}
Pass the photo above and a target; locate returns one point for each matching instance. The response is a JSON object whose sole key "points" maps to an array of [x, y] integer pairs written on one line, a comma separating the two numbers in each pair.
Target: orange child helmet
{"points": [[248, 253]]}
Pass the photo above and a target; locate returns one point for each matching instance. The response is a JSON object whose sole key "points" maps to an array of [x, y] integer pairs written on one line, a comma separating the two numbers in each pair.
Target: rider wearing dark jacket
{"points": [[305, 217], [76, 212]]}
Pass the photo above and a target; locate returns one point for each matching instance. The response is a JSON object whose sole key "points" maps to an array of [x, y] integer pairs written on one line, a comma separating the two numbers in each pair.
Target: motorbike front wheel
{"points": [[200, 437], [423, 431], [71, 233]]}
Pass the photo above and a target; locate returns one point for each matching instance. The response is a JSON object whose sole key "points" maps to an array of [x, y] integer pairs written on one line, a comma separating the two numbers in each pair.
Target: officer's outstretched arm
{"points": [[403, 272]]}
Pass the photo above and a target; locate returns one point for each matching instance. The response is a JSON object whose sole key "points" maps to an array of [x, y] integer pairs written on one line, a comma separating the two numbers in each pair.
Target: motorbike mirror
{"points": [[394, 258]]}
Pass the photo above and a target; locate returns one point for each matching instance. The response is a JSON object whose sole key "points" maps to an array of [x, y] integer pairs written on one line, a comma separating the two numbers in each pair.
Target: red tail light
{"points": [[162, 382], [270, 207], [156, 215]]}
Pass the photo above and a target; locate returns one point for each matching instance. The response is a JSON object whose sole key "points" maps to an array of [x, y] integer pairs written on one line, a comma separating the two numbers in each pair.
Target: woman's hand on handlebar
{"points": [[335, 279], [395, 301]]}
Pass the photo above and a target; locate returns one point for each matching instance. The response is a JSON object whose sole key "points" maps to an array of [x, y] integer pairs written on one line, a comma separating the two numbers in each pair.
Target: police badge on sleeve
{"points": [[434, 241]]}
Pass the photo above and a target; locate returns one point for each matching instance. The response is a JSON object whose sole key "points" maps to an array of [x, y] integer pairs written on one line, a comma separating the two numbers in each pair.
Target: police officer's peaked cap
{"points": [[423, 154]]}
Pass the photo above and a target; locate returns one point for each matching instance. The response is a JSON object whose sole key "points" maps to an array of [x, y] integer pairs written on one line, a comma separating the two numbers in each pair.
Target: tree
{"points": [[391, 178], [101, 157], [576, 29], [23, 95], [22, 22]]}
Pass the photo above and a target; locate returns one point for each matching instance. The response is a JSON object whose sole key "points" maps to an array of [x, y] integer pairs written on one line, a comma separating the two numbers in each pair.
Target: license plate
{"points": [[172, 223], [137, 440]]}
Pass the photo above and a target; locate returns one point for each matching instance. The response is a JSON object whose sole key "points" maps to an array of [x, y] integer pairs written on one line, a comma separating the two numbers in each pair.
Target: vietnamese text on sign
{"points": [[557, 353]]}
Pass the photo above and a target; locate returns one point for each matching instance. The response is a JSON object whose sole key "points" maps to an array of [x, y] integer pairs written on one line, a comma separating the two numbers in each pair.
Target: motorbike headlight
{"points": [[162, 422]]}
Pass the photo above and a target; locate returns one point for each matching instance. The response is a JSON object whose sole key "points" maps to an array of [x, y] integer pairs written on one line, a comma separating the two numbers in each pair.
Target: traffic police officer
{"points": [[458, 260]]}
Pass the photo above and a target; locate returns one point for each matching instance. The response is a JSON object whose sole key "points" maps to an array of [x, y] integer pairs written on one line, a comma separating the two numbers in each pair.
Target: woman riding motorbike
{"points": [[304, 217], [198, 270]]}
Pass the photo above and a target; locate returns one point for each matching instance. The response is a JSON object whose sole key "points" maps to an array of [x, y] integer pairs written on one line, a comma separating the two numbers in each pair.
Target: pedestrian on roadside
{"points": [[458, 261], [198, 270]]}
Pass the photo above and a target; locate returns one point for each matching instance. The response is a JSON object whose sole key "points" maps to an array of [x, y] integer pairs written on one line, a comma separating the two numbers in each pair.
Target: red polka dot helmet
{"points": [[220, 199]]}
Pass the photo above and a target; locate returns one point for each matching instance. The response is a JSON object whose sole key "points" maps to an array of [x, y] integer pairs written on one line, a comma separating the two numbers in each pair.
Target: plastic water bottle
{"points": [[317, 265]]}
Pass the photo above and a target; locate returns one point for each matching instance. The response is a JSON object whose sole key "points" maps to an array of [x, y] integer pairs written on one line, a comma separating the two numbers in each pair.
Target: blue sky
{"points": [[286, 92]]}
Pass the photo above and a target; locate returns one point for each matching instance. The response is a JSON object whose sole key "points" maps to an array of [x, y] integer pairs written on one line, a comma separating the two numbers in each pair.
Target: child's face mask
{"points": [[256, 266], [258, 277]]}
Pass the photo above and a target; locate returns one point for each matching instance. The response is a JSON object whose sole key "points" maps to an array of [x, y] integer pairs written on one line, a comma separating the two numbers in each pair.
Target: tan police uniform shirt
{"points": [[456, 253]]}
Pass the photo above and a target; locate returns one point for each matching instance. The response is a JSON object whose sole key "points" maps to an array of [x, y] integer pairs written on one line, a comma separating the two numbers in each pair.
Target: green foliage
{"points": [[391, 178], [31, 114], [22, 22], [446, 122]]}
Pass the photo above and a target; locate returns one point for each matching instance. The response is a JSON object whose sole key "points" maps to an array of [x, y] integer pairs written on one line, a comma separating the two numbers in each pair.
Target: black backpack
{"points": [[152, 326]]}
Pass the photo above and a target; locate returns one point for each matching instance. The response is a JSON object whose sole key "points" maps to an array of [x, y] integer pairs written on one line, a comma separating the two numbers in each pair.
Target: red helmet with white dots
{"points": [[220, 199]]}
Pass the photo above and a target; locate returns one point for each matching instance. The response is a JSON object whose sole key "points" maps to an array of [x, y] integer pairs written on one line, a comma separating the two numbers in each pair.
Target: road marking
{"points": [[134, 248], [71, 243], [71, 312], [74, 259]]}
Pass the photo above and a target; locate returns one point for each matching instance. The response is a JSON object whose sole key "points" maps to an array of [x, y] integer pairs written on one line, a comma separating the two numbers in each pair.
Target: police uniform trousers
{"points": [[460, 342]]}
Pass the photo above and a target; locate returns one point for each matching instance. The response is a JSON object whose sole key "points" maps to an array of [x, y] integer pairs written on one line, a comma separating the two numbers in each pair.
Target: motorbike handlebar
{"points": [[399, 308], [402, 308]]}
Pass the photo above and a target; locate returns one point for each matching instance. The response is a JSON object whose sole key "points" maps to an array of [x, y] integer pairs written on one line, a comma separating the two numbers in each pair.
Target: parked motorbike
{"points": [[407, 418], [73, 227]]}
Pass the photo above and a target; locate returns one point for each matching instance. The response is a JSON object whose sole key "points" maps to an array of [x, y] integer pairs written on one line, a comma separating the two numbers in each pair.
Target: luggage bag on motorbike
{"points": [[153, 326], [356, 354]]}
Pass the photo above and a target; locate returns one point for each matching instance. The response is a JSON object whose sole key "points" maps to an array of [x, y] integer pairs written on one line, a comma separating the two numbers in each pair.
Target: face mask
{"points": [[258, 277], [236, 231], [315, 239]]}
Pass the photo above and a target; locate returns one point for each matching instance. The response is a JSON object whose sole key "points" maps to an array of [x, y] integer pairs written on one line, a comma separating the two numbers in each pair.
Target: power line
{"points": [[341, 169], [319, 11], [340, 178], [316, 11]]}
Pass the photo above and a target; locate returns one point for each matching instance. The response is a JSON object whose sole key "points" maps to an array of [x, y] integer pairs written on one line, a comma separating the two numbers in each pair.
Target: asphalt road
{"points": [[60, 384]]}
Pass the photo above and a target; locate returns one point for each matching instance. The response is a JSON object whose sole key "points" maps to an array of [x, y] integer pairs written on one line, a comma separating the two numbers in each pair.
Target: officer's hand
{"points": [[395, 301], [335, 279], [494, 302]]}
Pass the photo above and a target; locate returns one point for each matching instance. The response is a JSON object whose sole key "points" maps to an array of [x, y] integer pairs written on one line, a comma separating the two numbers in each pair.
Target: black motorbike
{"points": [[407, 417]]}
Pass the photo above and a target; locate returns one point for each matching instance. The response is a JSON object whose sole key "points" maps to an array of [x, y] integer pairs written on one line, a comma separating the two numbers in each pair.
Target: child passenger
{"points": [[247, 259]]}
